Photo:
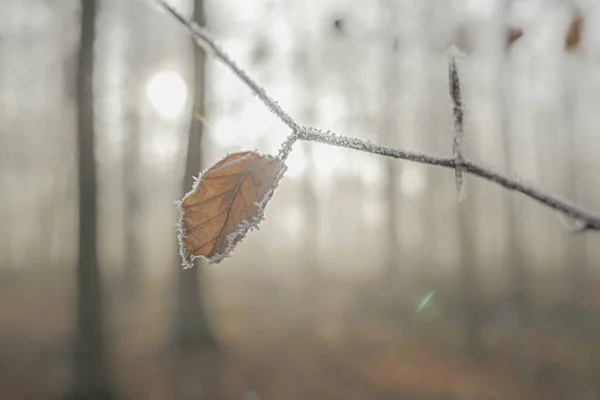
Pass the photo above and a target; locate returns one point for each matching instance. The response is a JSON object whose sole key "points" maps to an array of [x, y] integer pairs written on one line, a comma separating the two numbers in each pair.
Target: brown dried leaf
{"points": [[574, 34], [572, 39], [512, 36], [225, 203]]}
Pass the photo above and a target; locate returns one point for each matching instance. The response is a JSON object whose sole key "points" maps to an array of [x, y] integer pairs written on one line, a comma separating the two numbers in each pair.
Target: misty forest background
{"points": [[368, 279]]}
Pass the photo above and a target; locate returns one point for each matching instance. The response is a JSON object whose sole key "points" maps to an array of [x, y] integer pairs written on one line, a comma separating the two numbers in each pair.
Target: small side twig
{"points": [[458, 145], [589, 220]]}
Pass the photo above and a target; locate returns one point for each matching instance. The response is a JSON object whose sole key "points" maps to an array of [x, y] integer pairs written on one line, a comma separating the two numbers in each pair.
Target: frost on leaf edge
{"points": [[243, 227]]}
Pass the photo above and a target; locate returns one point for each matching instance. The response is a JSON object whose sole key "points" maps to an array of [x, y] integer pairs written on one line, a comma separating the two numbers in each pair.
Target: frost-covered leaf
{"points": [[225, 203]]}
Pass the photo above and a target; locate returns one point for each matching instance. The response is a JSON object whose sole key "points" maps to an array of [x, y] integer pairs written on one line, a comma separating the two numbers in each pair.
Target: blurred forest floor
{"points": [[269, 349]]}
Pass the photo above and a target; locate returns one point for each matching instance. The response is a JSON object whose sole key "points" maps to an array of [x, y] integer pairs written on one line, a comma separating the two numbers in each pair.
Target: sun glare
{"points": [[167, 93]]}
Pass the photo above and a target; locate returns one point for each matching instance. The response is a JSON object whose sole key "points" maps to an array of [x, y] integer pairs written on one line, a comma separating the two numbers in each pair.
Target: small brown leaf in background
{"points": [[226, 202], [513, 35], [574, 34], [572, 40]]}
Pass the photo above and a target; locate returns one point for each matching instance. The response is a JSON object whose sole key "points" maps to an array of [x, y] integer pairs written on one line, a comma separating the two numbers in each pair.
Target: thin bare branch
{"points": [[589, 220], [592, 221]]}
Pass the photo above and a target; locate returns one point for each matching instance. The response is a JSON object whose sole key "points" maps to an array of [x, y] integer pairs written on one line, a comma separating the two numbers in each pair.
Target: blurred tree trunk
{"points": [[469, 278], [90, 363], [578, 263], [576, 257], [313, 284], [192, 328], [576, 260], [131, 189], [429, 135], [132, 270], [518, 276], [389, 119], [310, 241]]}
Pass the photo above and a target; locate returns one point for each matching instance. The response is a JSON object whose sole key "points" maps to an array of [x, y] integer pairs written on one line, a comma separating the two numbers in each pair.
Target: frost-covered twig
{"points": [[287, 145], [333, 139], [589, 220], [458, 145], [592, 221]]}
